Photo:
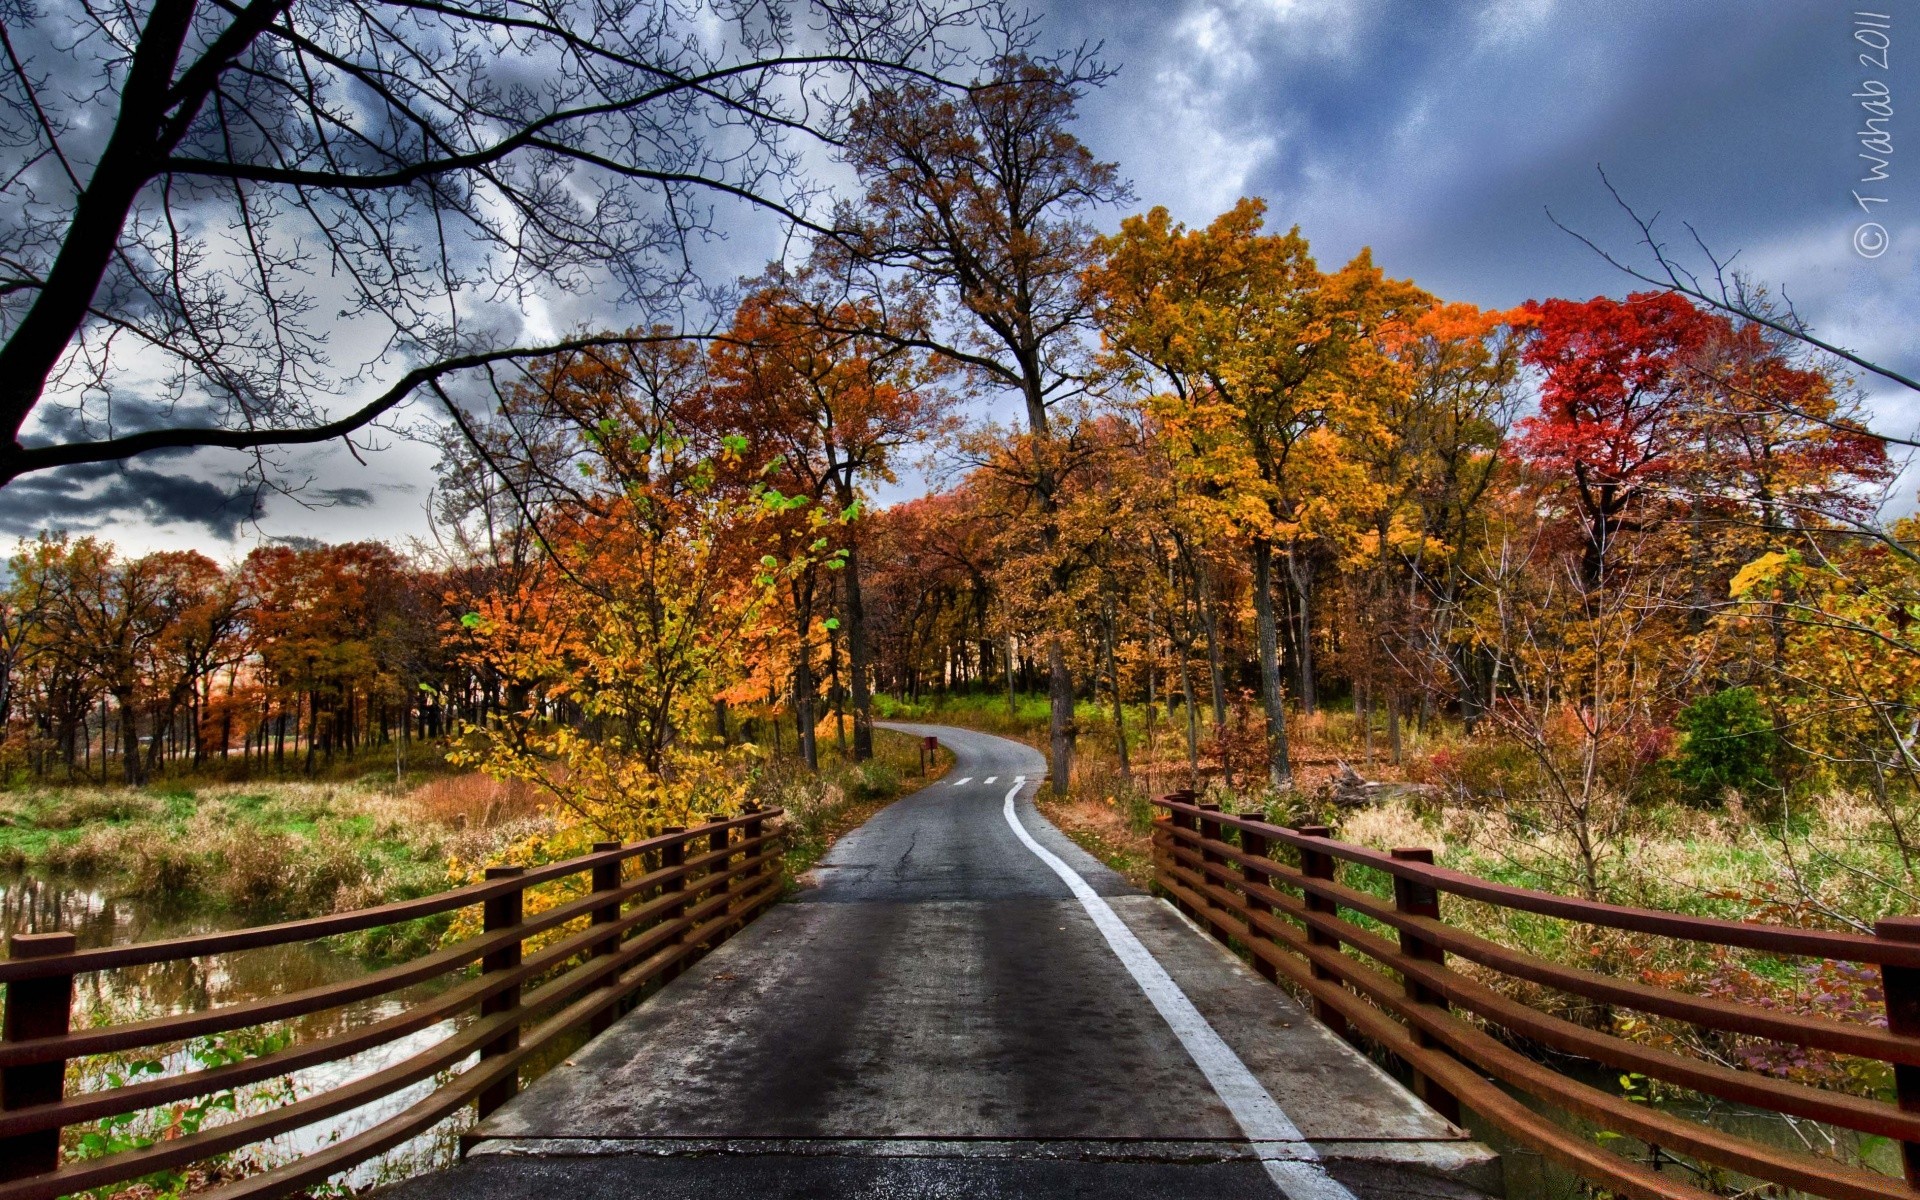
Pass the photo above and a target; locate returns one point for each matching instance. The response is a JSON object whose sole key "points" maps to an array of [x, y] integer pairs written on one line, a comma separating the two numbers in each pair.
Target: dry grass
{"points": [[474, 801], [274, 849], [1102, 827]]}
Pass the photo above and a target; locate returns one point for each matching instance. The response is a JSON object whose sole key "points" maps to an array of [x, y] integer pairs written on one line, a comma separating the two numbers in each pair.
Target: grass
{"points": [[822, 808], [263, 850]]}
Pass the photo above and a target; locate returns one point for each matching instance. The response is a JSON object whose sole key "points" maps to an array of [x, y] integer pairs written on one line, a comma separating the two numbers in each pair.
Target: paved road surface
{"points": [[951, 1008]]}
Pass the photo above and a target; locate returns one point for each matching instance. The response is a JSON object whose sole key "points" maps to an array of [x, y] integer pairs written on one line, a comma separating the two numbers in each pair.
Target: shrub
{"points": [[1730, 744]]}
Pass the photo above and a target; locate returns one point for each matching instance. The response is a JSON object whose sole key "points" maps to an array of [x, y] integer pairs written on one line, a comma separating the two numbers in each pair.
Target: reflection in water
{"points": [[41, 904], [1531, 1177]]}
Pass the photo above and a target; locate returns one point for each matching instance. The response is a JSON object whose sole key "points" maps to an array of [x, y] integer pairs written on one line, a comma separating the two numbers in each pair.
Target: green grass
{"points": [[821, 808], [264, 851]]}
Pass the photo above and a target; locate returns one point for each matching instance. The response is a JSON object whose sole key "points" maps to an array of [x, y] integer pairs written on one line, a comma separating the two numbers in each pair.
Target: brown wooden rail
{"points": [[652, 907], [1275, 891]]}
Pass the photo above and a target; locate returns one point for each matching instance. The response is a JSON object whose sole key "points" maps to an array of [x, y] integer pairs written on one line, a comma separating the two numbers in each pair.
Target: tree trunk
{"points": [[1060, 727], [1113, 690], [1210, 617], [1300, 573], [1013, 703], [129, 738], [803, 687], [837, 694], [1393, 725], [1279, 764], [1193, 723], [857, 655]]}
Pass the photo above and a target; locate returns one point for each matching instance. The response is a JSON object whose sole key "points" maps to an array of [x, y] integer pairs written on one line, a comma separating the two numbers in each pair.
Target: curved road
{"points": [[954, 1006]]}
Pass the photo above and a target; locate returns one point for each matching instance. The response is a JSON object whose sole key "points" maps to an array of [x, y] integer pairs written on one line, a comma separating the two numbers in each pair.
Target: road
{"points": [[960, 1002]]}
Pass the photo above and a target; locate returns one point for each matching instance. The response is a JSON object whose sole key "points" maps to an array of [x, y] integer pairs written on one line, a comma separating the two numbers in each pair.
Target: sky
{"points": [[1439, 134]]}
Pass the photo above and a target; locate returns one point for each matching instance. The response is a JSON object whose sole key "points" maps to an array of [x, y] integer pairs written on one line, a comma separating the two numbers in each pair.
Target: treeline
{"points": [[123, 667], [1241, 487]]}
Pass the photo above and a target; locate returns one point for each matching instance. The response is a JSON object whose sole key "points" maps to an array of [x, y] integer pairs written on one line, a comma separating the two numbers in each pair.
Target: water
{"points": [[1531, 1177], [32, 903]]}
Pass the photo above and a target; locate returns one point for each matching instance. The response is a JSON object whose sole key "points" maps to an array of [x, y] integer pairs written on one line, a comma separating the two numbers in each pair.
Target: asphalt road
{"points": [[950, 1008]]}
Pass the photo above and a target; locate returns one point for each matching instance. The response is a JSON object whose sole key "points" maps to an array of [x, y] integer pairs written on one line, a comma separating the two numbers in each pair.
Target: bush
{"points": [[1730, 744]]}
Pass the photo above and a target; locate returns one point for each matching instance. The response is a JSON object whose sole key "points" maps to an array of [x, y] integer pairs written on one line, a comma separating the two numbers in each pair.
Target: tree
{"points": [[185, 232], [798, 377], [1266, 357], [973, 238], [1614, 393]]}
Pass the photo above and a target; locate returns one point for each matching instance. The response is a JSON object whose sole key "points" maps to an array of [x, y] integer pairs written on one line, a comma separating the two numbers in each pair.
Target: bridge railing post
{"points": [[716, 844], [1318, 864], [36, 1008], [499, 914], [673, 854], [752, 830], [1414, 898], [1179, 820], [1211, 831], [606, 878], [1254, 845], [1901, 987]]}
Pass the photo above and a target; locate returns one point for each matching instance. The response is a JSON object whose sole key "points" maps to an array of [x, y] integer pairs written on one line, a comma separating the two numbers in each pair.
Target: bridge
{"points": [[961, 1002]]}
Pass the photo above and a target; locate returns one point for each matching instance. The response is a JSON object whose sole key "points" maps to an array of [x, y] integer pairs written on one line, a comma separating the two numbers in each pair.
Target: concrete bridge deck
{"points": [[962, 1003]]}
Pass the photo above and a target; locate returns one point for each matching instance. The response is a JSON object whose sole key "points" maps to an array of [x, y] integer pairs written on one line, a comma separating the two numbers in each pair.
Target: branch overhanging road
{"points": [[963, 1003]]}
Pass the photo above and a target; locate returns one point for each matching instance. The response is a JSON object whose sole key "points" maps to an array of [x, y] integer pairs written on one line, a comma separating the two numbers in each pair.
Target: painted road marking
{"points": [[1290, 1160], [990, 779], [963, 779]]}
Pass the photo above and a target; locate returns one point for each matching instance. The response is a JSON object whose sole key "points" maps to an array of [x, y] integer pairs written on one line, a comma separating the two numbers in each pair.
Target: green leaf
{"points": [[831, 623], [769, 562], [736, 442], [470, 620]]}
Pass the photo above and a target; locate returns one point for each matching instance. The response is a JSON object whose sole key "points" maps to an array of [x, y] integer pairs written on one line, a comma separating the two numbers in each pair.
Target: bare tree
{"points": [[254, 223]]}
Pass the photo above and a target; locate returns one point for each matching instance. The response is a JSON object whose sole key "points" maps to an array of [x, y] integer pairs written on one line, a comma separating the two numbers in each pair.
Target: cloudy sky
{"points": [[1439, 134]]}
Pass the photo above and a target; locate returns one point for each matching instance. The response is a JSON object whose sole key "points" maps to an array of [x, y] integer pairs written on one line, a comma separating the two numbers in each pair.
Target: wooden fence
{"points": [[651, 908], [1457, 1035]]}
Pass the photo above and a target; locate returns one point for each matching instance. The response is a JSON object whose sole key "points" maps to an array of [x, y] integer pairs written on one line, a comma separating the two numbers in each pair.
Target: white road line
{"points": [[990, 779], [963, 779], [1290, 1160]]}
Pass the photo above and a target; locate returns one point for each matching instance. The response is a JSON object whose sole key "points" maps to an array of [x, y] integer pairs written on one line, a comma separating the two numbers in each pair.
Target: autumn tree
{"points": [[1615, 389], [801, 379], [1265, 358], [973, 236]]}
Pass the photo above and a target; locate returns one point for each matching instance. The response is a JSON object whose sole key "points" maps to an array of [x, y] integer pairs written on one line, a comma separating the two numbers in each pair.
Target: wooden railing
{"points": [[652, 908], [1457, 1035]]}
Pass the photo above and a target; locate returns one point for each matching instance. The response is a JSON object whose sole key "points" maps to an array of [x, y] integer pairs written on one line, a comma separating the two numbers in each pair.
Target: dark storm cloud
{"points": [[79, 499], [342, 497], [1440, 133]]}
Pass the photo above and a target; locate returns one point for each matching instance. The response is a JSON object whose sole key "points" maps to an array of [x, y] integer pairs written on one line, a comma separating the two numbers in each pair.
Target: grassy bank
{"points": [[263, 850], [822, 808]]}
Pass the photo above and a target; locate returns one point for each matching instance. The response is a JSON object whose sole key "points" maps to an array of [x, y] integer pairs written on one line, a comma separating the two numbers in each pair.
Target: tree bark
{"points": [[857, 656], [1279, 764], [1113, 690], [1060, 726], [1300, 574], [1210, 617]]}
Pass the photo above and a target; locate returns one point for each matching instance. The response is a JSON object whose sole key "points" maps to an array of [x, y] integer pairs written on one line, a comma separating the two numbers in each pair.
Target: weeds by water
{"points": [[267, 851]]}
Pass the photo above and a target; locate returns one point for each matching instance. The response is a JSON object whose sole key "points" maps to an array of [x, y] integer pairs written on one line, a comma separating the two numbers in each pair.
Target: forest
{"points": [[1237, 515]]}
